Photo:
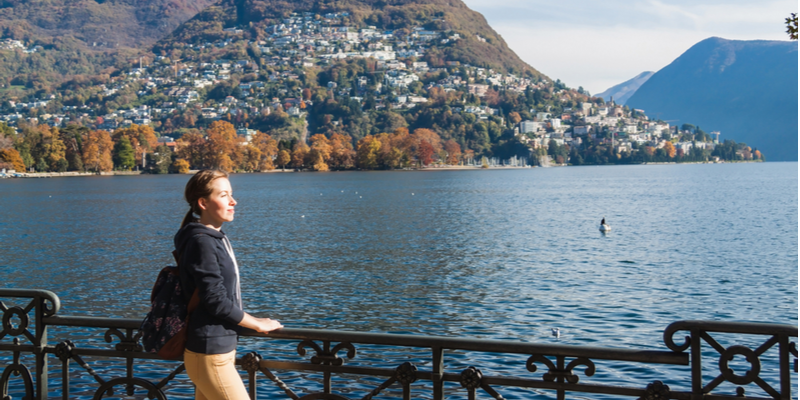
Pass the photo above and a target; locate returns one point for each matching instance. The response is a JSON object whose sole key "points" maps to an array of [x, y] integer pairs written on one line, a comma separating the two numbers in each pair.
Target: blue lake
{"points": [[500, 254]]}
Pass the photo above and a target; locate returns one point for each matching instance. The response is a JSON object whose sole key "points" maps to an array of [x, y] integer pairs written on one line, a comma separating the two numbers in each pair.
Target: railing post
{"points": [[39, 350], [327, 374], [438, 373], [697, 371], [786, 383]]}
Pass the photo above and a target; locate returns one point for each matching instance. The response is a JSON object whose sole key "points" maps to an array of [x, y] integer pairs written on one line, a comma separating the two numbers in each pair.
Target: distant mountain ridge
{"points": [[747, 90], [622, 92]]}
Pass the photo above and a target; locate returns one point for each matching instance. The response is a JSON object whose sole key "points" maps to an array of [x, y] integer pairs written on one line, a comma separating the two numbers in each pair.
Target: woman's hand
{"points": [[262, 325], [266, 325]]}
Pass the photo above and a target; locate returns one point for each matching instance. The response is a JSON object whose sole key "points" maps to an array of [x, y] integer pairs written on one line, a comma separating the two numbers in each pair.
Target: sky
{"points": [[598, 44]]}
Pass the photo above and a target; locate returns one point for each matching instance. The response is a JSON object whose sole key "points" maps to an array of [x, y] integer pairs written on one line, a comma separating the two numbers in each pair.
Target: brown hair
{"points": [[199, 186]]}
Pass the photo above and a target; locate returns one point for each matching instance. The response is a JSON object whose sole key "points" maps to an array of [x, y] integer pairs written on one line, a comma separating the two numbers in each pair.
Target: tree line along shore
{"points": [[77, 148]]}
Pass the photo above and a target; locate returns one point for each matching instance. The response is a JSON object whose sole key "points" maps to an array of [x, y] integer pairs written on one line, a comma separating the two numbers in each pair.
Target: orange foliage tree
{"points": [[670, 149], [191, 147], [220, 146], [249, 158], [300, 155], [11, 156], [426, 143], [342, 153], [320, 153], [181, 166], [453, 151], [425, 152], [284, 158], [268, 149], [97, 146]]}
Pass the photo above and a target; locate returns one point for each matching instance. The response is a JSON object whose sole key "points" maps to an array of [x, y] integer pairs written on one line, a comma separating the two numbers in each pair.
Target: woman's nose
{"points": [[233, 201]]}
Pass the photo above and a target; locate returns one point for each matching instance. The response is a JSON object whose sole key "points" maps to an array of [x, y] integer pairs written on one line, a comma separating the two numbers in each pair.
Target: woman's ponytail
{"points": [[199, 186], [189, 217]]}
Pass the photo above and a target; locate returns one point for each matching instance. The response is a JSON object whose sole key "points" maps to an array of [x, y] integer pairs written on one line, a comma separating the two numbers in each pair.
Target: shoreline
{"points": [[424, 169]]}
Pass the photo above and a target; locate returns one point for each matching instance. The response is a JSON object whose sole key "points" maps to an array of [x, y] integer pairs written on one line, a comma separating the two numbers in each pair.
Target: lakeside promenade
{"points": [[422, 364]]}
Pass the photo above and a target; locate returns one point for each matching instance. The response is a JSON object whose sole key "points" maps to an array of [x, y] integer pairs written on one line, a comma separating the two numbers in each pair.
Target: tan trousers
{"points": [[215, 376]]}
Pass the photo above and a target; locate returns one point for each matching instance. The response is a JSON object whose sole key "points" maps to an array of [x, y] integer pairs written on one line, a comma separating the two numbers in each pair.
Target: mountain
{"points": [[79, 39], [478, 45], [622, 92], [747, 90], [96, 23]]}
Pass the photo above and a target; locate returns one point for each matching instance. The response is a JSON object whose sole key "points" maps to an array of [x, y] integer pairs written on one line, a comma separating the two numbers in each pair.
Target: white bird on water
{"points": [[556, 332]]}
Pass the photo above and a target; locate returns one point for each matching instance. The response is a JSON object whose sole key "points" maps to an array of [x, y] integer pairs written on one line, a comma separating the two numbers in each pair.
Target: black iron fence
{"points": [[556, 370]]}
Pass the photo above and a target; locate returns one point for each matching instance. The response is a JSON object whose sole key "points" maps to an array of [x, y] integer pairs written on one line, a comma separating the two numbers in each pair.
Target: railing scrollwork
{"points": [[557, 369]]}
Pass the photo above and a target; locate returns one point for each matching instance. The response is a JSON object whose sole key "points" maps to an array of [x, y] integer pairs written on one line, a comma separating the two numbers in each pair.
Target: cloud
{"points": [[600, 44]]}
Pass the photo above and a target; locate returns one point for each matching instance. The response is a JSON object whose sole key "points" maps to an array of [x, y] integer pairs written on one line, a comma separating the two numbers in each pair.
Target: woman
{"points": [[207, 263]]}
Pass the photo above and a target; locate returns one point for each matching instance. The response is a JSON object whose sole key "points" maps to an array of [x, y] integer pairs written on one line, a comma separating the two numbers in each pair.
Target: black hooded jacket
{"points": [[205, 264]]}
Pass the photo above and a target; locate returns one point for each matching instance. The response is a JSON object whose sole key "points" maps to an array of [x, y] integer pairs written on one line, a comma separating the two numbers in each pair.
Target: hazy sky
{"points": [[598, 44]]}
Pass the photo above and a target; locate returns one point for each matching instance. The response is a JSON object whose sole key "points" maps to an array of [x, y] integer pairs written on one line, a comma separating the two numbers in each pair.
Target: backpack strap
{"points": [[195, 300]]}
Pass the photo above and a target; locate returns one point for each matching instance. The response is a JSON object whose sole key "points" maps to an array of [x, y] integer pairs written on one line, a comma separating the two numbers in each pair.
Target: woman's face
{"points": [[218, 207]]}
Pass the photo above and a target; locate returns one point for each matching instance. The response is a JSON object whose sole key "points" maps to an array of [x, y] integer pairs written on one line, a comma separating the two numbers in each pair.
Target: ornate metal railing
{"points": [[549, 369]]}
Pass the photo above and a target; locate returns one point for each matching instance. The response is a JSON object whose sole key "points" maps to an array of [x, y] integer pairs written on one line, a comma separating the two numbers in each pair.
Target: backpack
{"points": [[164, 329]]}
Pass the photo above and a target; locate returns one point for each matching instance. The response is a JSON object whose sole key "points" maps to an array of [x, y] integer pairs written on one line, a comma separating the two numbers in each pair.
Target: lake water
{"points": [[500, 254]]}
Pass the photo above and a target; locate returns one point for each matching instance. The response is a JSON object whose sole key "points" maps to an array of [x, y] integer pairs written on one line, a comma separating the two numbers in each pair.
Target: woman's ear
{"points": [[202, 203]]}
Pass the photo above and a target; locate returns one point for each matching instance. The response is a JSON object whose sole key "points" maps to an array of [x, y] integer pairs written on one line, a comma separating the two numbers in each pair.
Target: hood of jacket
{"points": [[190, 230]]}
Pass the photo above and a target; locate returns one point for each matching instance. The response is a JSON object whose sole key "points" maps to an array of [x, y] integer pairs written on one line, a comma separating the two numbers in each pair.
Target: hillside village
{"points": [[172, 94]]}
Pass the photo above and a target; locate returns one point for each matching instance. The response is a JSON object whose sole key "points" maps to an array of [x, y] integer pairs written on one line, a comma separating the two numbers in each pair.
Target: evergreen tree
{"points": [[123, 154], [41, 165]]}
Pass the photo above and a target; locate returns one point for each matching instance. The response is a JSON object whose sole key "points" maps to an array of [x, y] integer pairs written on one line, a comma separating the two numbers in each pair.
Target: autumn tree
{"points": [[425, 152], [191, 147], [429, 136], [11, 156], [367, 153], [342, 153], [453, 152], [283, 159], [181, 166], [320, 153], [221, 145], [249, 158], [268, 150], [670, 149], [300, 155], [97, 147]]}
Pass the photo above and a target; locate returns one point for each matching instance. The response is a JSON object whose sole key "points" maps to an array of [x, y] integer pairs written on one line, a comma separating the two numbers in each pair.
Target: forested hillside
{"points": [[63, 39]]}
